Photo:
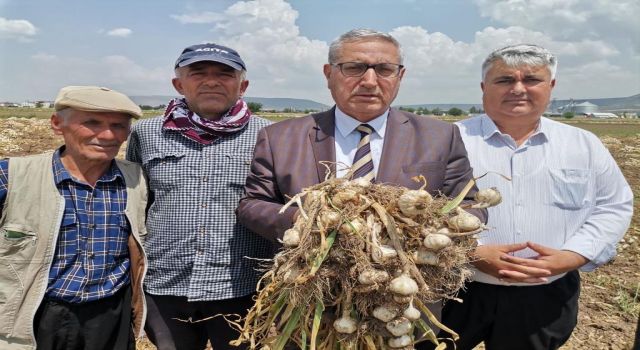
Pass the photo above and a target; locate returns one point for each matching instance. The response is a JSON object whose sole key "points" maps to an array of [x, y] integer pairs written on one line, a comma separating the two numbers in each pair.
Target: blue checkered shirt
{"points": [[91, 259], [194, 245]]}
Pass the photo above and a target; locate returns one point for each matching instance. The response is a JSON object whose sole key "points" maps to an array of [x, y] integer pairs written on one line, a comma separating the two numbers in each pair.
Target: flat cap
{"points": [[96, 99]]}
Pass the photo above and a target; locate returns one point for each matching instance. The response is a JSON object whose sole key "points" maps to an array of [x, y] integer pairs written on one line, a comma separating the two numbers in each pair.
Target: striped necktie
{"points": [[362, 162]]}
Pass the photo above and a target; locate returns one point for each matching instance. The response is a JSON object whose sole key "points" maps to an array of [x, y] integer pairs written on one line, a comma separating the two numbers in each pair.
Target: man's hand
{"points": [[552, 260], [491, 260]]}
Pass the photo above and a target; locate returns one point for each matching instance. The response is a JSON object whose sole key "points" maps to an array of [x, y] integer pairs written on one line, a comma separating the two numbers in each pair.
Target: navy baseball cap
{"points": [[210, 52]]}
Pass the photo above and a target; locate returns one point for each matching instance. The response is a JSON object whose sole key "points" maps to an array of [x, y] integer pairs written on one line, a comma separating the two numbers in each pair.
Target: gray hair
{"points": [[360, 35], [522, 55]]}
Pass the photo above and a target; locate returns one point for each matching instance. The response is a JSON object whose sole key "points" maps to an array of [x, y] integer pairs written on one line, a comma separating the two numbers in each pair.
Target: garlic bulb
{"points": [[400, 342], [329, 219], [382, 253], [464, 222], [355, 226], [342, 197], [385, 313], [359, 185], [401, 299], [436, 241], [291, 238], [414, 202], [411, 312], [346, 325], [487, 197], [403, 285], [425, 257], [399, 326], [372, 276]]}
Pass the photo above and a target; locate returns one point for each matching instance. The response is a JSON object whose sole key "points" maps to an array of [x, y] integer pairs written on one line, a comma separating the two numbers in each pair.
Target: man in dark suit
{"points": [[363, 74]]}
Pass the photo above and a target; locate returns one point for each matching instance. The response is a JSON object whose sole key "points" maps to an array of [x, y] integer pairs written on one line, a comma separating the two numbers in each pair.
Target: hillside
{"points": [[268, 103]]}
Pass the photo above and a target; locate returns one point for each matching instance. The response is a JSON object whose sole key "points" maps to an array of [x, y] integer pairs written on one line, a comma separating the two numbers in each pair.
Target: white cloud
{"points": [[613, 20], [283, 63], [17, 29], [120, 32], [202, 17]]}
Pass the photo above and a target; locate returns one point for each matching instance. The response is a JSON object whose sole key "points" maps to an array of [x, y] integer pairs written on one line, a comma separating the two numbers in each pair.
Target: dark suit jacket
{"points": [[287, 155]]}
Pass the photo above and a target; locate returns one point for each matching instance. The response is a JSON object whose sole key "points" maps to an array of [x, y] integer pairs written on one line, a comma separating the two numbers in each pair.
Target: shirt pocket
{"points": [[570, 188], [165, 169]]}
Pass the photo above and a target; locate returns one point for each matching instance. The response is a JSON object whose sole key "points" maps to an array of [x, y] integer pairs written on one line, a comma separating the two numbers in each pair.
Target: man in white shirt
{"points": [[566, 207]]}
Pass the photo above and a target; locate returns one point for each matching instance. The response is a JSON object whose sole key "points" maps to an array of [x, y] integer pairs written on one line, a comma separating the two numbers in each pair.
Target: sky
{"points": [[131, 46]]}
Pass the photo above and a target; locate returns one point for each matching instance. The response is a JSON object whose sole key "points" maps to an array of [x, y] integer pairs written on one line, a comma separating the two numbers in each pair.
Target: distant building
{"points": [[601, 115], [579, 108]]}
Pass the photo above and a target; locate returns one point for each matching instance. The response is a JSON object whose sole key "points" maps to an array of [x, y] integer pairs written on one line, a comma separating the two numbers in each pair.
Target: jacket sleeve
{"points": [[259, 209]]}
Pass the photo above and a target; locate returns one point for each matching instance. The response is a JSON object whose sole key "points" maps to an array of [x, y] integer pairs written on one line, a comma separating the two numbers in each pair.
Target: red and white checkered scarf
{"points": [[179, 117]]}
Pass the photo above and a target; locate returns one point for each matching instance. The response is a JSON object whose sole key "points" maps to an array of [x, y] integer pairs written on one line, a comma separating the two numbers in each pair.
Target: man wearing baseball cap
{"points": [[71, 222], [197, 156]]}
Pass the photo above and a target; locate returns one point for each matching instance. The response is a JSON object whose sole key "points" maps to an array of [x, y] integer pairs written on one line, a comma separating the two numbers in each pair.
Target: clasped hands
{"points": [[496, 260]]}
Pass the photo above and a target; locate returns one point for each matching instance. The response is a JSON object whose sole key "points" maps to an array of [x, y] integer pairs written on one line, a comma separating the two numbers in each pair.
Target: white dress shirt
{"points": [[347, 139], [566, 191]]}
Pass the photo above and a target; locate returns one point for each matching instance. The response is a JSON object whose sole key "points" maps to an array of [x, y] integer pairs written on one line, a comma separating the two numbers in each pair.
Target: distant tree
{"points": [[39, 104], [425, 110], [436, 111], [289, 110], [473, 110], [568, 115], [454, 111], [254, 107], [147, 107]]}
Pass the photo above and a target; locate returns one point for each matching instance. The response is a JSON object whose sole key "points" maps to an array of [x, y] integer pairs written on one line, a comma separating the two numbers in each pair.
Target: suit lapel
{"points": [[397, 139], [322, 138]]}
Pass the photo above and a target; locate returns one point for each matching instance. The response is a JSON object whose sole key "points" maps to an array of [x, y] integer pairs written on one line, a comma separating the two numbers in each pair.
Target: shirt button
{"points": [[204, 205], [200, 252], [92, 256], [205, 179], [92, 226]]}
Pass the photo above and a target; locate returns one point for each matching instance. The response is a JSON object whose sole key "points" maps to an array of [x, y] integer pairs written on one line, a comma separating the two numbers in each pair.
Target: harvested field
{"points": [[610, 300]]}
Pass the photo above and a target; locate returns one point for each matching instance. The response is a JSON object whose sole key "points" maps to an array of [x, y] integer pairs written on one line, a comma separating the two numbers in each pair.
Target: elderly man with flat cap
{"points": [[71, 255], [197, 156]]}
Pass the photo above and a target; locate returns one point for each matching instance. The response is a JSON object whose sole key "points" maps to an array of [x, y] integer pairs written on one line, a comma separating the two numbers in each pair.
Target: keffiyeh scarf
{"points": [[179, 117]]}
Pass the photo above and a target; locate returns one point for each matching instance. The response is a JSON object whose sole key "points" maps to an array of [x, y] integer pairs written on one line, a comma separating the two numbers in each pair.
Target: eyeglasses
{"points": [[357, 69]]}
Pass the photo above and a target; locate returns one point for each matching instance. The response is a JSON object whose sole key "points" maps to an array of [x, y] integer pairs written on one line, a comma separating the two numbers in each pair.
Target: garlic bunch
{"points": [[436, 241], [414, 202], [291, 238], [487, 197], [403, 285], [464, 222]]}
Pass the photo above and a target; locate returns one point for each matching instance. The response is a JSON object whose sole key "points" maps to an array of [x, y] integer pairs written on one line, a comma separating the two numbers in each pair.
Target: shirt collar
{"points": [[60, 173], [346, 124], [489, 129]]}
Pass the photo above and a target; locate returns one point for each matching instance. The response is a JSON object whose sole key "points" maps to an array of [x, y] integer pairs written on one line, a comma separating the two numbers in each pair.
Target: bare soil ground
{"points": [[610, 300]]}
